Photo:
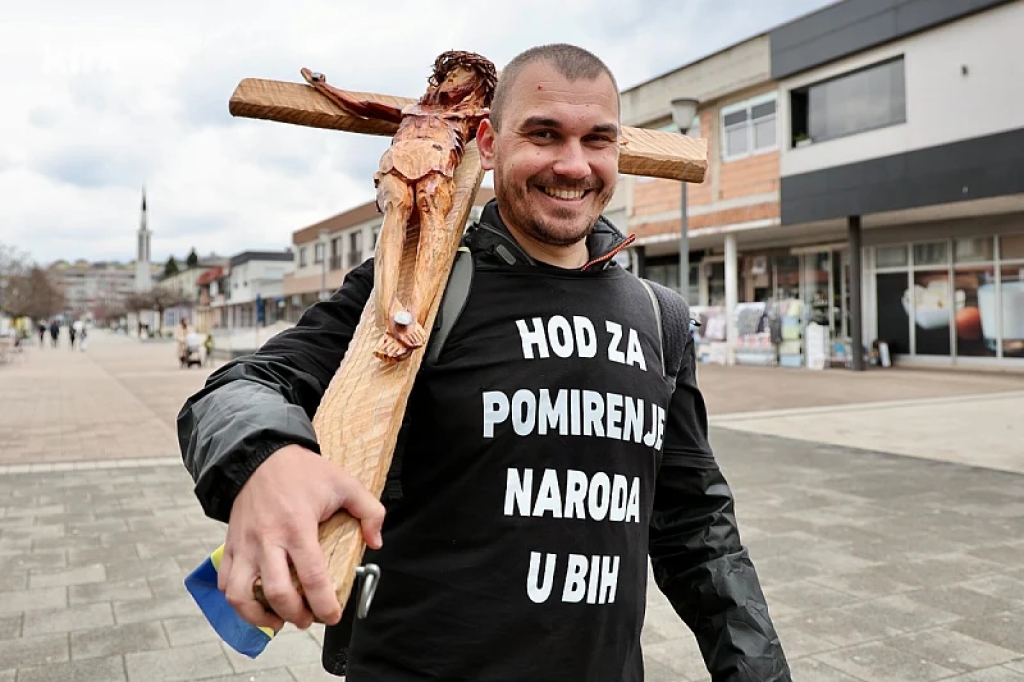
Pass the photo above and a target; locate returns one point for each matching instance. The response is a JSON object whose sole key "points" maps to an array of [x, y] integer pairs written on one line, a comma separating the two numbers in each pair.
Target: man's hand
{"points": [[275, 517]]}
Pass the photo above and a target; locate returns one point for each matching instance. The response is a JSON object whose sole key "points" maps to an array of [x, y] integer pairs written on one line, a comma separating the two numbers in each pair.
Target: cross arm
{"points": [[650, 153]]}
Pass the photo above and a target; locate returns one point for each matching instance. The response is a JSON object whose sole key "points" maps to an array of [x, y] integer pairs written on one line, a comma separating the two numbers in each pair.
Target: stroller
{"points": [[192, 351]]}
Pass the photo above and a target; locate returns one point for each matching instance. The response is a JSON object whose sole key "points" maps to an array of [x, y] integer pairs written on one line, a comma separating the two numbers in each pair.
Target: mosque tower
{"points": [[143, 274]]}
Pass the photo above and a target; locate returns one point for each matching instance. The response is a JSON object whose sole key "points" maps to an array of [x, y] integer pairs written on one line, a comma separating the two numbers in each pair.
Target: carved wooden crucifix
{"points": [[361, 412]]}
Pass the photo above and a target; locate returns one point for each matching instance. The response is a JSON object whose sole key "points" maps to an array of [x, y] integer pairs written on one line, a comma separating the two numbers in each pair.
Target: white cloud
{"points": [[104, 97]]}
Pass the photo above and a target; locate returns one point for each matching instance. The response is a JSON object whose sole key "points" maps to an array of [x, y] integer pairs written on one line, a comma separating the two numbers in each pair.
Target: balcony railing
{"points": [[335, 263]]}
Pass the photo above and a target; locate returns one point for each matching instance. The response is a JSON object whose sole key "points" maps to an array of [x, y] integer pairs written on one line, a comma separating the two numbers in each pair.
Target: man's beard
{"points": [[514, 205]]}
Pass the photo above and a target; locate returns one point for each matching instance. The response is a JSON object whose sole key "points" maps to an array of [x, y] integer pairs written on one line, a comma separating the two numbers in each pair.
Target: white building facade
{"points": [[903, 141]]}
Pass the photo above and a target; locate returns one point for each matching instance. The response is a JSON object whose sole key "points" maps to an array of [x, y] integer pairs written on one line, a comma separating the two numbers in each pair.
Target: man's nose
{"points": [[572, 161]]}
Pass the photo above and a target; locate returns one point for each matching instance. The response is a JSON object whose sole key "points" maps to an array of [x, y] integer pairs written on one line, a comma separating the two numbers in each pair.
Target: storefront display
{"points": [[961, 297]]}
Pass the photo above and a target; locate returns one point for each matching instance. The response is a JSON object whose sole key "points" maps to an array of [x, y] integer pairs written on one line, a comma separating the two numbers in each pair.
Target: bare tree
{"points": [[32, 294]]}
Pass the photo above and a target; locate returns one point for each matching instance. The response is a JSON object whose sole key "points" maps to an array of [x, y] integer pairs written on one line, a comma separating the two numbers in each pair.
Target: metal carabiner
{"points": [[370, 574]]}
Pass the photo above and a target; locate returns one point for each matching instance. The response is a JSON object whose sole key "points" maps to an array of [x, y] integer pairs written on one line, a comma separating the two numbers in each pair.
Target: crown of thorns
{"points": [[448, 61]]}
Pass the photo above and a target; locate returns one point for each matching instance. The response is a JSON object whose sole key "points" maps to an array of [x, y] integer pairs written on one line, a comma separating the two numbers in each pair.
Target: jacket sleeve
{"points": [[698, 559], [255, 405]]}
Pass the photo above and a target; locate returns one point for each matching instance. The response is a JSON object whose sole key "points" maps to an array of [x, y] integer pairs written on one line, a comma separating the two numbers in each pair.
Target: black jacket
{"points": [[254, 405]]}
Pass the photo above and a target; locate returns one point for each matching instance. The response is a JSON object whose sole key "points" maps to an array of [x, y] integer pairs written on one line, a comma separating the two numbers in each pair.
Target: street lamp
{"points": [[683, 111]]}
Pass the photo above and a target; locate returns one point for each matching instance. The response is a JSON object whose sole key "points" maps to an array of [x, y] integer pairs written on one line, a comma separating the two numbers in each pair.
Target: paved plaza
{"points": [[884, 511]]}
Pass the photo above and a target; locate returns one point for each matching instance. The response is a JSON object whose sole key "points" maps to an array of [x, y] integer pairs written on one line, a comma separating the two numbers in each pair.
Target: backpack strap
{"points": [[453, 302], [673, 315]]}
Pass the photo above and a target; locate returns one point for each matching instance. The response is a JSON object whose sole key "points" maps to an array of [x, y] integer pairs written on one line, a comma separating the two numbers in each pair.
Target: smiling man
{"points": [[549, 450]]}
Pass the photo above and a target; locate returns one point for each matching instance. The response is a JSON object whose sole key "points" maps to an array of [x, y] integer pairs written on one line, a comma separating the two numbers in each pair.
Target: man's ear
{"points": [[485, 144]]}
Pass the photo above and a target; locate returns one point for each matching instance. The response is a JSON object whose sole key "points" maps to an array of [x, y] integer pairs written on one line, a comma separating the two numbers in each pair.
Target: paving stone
{"points": [[1000, 674], [105, 592], [33, 651], [96, 670], [962, 601], [25, 561], [276, 675], [79, 575], [880, 663], [838, 626], [805, 596], [117, 639], [140, 610], [681, 657], [67, 619], [180, 663], [314, 672], [10, 627], [13, 581], [1005, 630], [190, 630], [27, 600], [150, 568], [286, 649], [101, 555], [811, 670], [798, 643], [953, 650], [901, 613]]}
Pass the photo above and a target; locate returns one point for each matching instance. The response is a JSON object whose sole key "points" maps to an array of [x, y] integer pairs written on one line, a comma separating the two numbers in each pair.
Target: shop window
{"points": [[1011, 309], [749, 127], [867, 99], [972, 250], [931, 302], [891, 256], [933, 253], [973, 285], [1011, 247], [893, 311]]}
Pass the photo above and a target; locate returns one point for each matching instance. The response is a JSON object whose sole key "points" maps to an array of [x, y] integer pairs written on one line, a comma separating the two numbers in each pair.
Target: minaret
{"points": [[143, 275]]}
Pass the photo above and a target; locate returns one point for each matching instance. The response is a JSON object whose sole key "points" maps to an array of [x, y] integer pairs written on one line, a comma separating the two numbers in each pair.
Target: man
{"points": [[547, 454]]}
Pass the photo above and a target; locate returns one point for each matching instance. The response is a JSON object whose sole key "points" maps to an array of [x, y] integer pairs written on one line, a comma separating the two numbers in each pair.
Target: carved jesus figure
{"points": [[416, 179]]}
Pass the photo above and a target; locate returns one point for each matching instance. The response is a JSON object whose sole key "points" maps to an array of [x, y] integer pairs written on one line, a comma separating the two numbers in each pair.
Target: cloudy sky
{"points": [[106, 96]]}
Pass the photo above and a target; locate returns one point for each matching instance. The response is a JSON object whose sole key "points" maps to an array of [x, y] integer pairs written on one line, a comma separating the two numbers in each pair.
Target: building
{"points": [[94, 290], [905, 146], [326, 251], [249, 292], [865, 180], [186, 286]]}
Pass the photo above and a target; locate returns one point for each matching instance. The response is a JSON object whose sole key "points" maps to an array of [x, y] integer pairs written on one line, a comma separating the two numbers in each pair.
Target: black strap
{"points": [[674, 316]]}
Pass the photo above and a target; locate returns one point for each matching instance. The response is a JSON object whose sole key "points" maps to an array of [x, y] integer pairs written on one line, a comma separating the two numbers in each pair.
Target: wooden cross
{"points": [[361, 412]]}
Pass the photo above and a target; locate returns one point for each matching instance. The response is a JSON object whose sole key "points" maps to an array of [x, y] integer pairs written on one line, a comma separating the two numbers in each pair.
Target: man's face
{"points": [[556, 157]]}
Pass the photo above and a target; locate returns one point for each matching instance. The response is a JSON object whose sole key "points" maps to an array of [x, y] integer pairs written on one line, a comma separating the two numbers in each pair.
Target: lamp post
{"points": [[683, 111]]}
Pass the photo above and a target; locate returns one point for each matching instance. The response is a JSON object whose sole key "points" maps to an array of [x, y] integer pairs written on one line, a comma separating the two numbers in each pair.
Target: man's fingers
{"points": [[239, 595], [357, 501], [279, 589], [311, 568]]}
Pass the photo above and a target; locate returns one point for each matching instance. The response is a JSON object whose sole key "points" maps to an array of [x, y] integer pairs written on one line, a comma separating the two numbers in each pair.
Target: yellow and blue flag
{"points": [[240, 635]]}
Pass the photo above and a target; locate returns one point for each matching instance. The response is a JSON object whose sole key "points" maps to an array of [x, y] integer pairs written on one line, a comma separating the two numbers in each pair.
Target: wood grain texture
{"points": [[360, 414], [651, 153]]}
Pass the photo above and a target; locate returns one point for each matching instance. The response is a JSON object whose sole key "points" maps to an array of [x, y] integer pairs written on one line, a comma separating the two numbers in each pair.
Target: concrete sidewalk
{"points": [[878, 567]]}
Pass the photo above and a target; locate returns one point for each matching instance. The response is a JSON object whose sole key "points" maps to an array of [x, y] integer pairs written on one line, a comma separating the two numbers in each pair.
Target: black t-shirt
{"points": [[518, 551]]}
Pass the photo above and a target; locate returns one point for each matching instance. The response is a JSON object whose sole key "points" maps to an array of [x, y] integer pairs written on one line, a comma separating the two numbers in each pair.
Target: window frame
{"points": [[804, 92], [748, 106]]}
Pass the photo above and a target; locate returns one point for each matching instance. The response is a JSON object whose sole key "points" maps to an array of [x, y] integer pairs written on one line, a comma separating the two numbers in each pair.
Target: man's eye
{"points": [[543, 135]]}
